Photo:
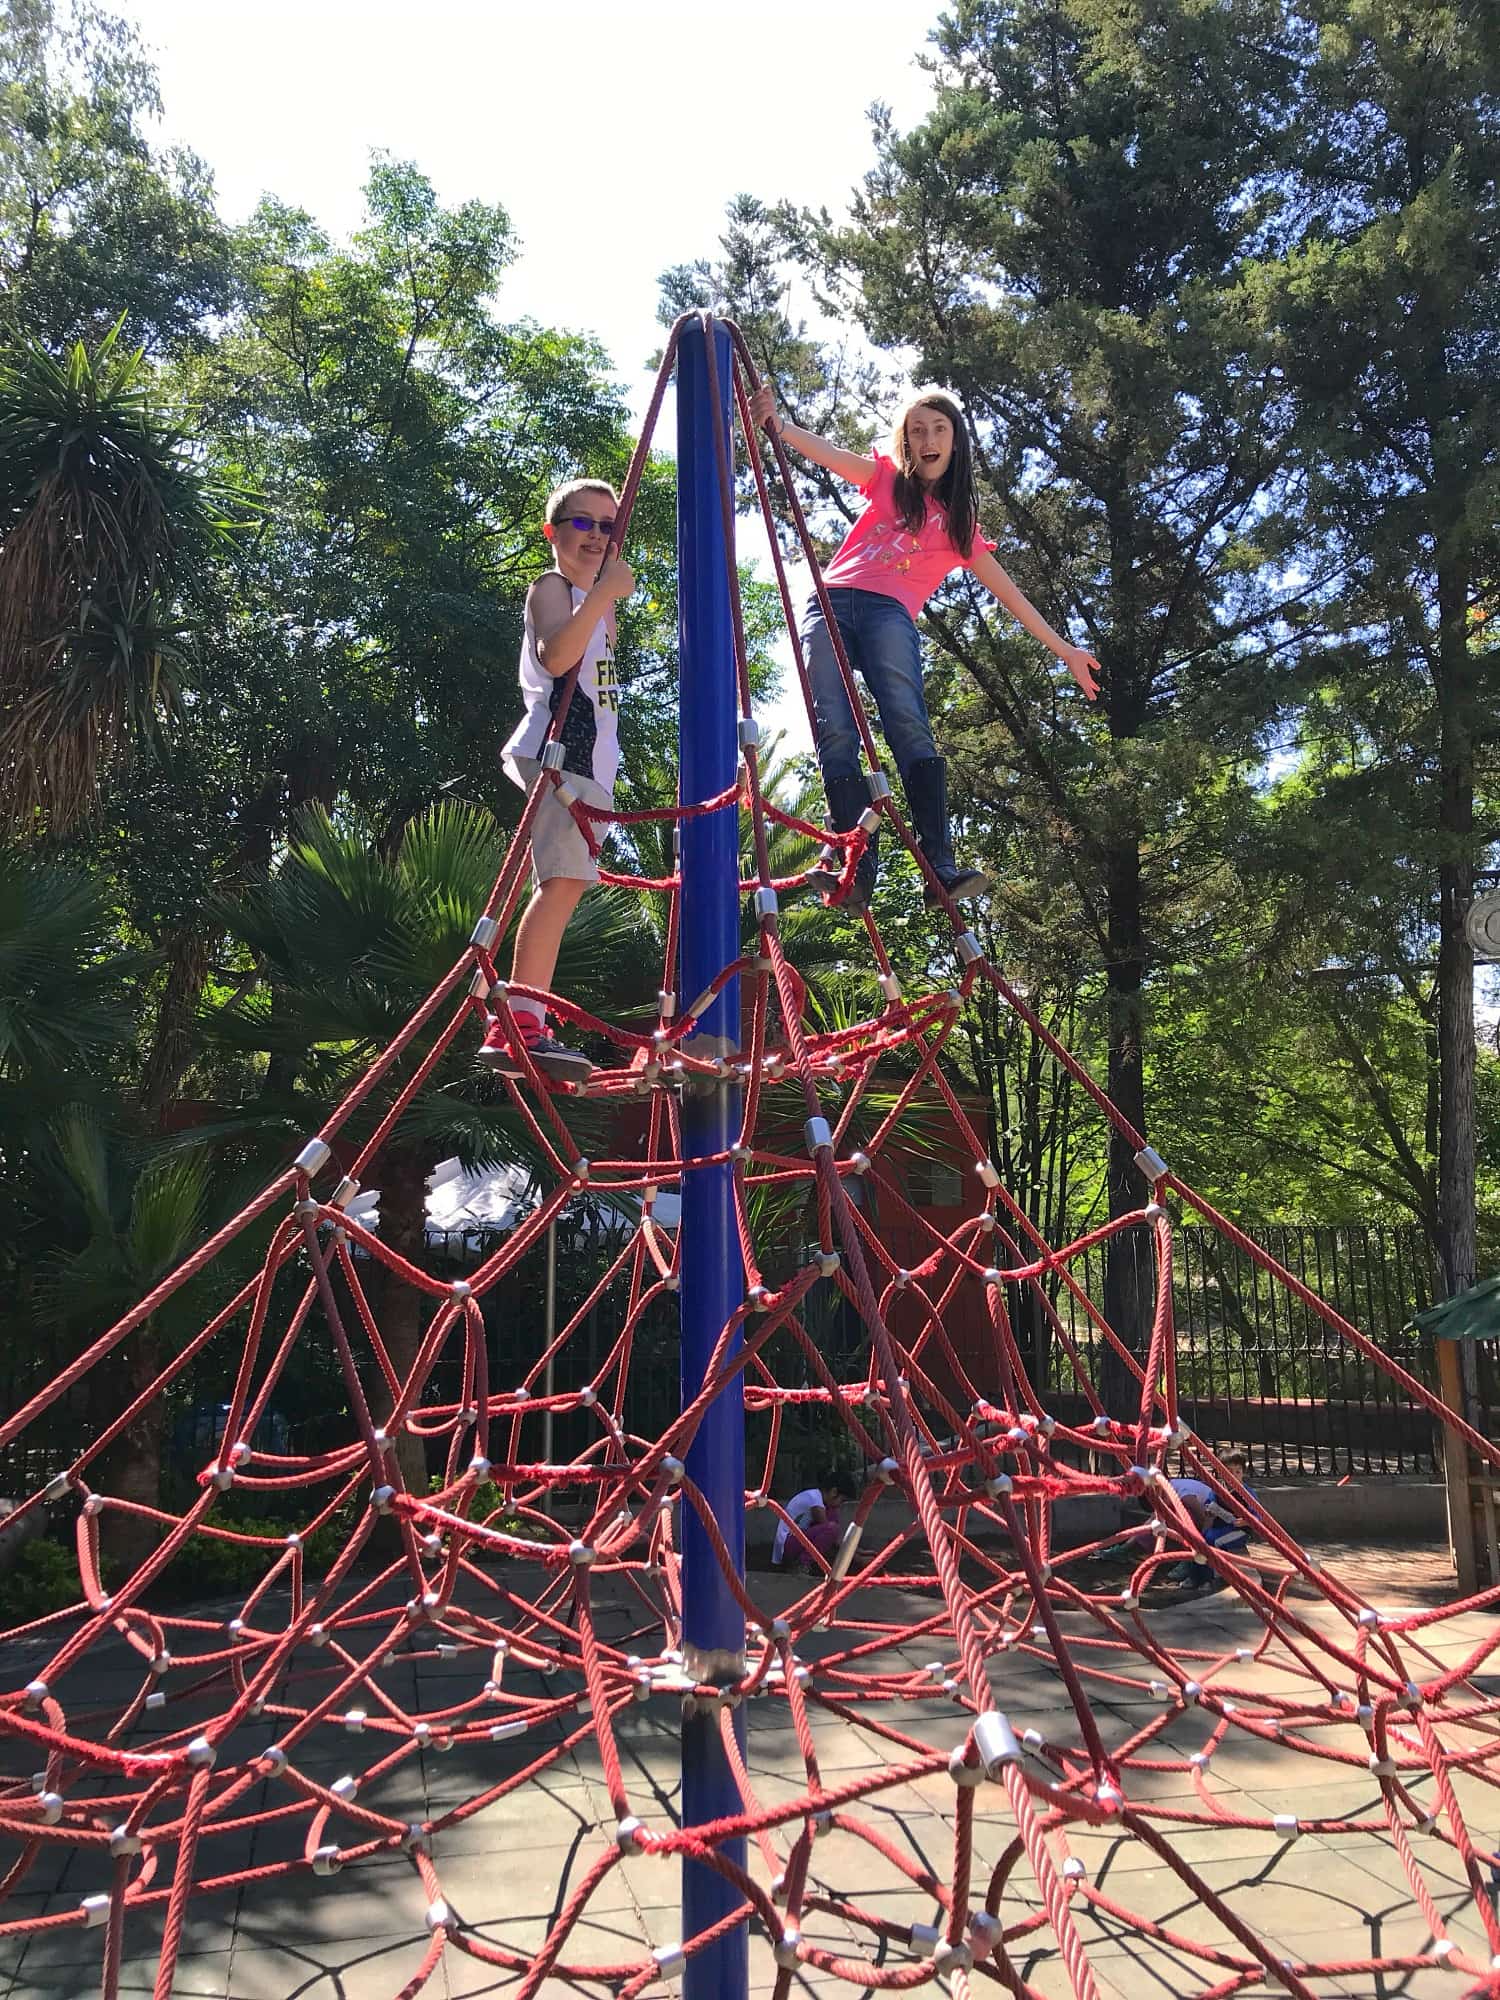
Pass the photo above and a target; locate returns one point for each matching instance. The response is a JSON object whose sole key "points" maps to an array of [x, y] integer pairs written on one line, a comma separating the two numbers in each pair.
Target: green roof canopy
{"points": [[1472, 1315]]}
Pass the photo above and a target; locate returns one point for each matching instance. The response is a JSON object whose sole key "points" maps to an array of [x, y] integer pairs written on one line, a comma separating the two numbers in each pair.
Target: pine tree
{"points": [[1387, 318], [1062, 240]]}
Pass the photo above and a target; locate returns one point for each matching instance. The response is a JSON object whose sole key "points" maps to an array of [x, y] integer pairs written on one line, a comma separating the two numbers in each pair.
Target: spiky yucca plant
{"points": [[108, 515]]}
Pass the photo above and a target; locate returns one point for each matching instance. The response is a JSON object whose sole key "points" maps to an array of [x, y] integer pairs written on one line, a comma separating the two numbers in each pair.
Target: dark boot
{"points": [[927, 795], [848, 798]]}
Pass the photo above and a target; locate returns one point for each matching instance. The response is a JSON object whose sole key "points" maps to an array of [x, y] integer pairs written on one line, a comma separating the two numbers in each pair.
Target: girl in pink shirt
{"points": [[920, 524]]}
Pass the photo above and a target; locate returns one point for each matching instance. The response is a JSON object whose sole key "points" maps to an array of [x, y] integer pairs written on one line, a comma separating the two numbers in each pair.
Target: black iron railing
{"points": [[1255, 1365]]}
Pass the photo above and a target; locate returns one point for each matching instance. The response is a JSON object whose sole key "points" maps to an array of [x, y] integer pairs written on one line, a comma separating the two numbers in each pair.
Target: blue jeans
{"points": [[881, 641]]}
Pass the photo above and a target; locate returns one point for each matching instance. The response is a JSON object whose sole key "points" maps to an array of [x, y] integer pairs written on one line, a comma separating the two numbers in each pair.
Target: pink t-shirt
{"points": [[879, 554]]}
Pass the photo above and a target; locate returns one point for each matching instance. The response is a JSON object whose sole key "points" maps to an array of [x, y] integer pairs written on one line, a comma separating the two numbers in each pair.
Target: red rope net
{"points": [[552, 1637]]}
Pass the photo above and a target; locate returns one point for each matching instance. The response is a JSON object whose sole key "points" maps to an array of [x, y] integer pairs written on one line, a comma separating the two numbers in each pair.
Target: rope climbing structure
{"points": [[949, 1602]]}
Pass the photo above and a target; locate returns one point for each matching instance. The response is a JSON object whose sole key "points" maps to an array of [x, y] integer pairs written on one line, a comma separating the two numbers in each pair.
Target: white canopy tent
{"points": [[497, 1198]]}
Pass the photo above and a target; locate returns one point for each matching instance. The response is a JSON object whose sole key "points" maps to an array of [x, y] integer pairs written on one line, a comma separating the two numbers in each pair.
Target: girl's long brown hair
{"points": [[954, 492]]}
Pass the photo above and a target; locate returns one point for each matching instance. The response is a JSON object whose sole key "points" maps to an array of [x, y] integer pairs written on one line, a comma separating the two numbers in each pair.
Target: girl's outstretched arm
{"points": [[847, 464], [1082, 665]]}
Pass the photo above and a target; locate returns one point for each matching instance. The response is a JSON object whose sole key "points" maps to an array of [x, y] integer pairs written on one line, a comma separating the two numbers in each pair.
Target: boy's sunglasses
{"points": [[584, 523]]}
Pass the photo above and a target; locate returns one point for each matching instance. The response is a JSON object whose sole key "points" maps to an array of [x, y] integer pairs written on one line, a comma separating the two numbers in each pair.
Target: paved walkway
{"points": [[360, 1935]]}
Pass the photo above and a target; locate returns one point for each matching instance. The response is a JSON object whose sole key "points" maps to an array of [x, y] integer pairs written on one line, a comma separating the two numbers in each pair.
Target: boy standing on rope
{"points": [[920, 523], [570, 622]]}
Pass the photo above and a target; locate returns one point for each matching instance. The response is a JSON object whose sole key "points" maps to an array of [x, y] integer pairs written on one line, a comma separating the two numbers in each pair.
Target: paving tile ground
{"points": [[507, 1871]]}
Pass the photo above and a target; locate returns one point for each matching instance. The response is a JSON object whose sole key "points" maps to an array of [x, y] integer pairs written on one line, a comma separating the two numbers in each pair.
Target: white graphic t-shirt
{"points": [[591, 727]]}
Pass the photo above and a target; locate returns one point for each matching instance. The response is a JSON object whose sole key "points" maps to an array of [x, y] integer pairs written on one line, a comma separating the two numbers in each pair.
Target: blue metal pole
{"points": [[713, 1278]]}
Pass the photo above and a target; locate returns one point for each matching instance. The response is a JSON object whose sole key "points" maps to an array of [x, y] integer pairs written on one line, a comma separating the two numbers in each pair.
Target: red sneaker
{"points": [[562, 1065], [495, 1052]]}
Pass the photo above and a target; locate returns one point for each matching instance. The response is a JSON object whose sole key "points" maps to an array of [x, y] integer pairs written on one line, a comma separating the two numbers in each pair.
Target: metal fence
{"points": [[1258, 1367], [1255, 1365]]}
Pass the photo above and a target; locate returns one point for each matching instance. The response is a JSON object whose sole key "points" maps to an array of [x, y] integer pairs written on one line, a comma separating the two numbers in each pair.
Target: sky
{"points": [[613, 135]]}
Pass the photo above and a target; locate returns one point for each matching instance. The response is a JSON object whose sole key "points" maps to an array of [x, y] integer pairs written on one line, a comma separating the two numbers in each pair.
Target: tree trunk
{"points": [[1455, 694], [1127, 1272], [174, 1038], [1127, 1269], [134, 1471], [1058, 1226], [400, 1309]]}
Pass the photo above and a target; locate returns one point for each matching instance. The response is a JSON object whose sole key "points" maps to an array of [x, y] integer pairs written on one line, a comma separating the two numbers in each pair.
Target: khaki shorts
{"points": [[558, 848]]}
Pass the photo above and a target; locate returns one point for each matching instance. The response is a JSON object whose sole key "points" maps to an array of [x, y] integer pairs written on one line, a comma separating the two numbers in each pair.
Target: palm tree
{"points": [[348, 942], [138, 1210], [65, 1013], [64, 984], [90, 1218], [108, 515]]}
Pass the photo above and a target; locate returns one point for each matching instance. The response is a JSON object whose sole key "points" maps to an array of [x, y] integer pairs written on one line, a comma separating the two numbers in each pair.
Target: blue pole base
{"points": [[721, 1971], [713, 1277]]}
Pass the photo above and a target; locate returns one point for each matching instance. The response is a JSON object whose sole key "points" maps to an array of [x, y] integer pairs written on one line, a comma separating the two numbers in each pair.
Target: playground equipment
{"points": [[960, 1493]]}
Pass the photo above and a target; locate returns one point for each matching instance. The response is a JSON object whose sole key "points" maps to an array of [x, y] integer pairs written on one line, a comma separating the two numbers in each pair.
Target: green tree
{"points": [[65, 1022], [827, 383], [362, 653], [128, 1213], [1060, 239], [1386, 316], [94, 221], [93, 1211]]}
